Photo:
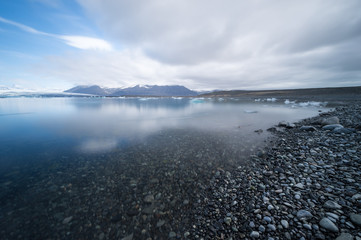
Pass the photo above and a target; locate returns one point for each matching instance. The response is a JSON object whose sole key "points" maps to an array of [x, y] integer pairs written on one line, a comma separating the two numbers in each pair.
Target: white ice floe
{"points": [[312, 104], [271, 99], [289, 102], [197, 100]]}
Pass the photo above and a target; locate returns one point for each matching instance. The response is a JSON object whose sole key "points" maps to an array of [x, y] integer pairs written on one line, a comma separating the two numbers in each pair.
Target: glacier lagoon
{"points": [[122, 167]]}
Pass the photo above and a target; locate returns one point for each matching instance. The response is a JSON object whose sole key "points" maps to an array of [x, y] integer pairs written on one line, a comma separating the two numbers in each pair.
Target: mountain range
{"points": [[138, 90]]}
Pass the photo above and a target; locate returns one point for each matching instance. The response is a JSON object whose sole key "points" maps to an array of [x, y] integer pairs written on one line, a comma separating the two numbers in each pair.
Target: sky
{"points": [[200, 44]]}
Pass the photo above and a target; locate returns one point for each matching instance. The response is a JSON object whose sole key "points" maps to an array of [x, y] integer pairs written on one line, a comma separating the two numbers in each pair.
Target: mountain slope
{"points": [[147, 90], [93, 90], [154, 90]]}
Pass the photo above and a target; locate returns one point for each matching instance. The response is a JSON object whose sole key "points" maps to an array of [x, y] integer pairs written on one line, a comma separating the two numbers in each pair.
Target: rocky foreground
{"points": [[306, 186]]}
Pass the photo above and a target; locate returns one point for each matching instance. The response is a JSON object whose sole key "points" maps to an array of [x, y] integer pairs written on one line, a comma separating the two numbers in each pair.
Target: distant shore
{"points": [[323, 94], [305, 185]]}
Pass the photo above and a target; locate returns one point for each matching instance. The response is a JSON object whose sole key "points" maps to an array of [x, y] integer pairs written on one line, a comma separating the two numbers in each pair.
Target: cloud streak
{"points": [[80, 42]]}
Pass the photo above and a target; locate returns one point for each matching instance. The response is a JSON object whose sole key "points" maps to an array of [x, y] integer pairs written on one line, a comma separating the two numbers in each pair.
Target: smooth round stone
{"points": [[288, 235], [332, 215], [285, 223], [261, 228], [271, 227], [315, 227], [172, 235], [345, 236], [254, 234], [356, 197], [251, 224], [227, 220], [67, 220], [304, 214], [297, 196], [160, 223], [356, 219], [267, 219], [307, 226], [270, 207], [328, 224], [332, 205]]}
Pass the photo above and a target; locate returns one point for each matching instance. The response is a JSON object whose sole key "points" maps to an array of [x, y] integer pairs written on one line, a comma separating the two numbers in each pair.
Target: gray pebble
{"points": [[285, 223], [254, 234], [345, 236], [328, 224]]}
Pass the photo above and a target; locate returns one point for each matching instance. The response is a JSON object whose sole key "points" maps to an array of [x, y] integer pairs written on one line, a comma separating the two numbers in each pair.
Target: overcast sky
{"points": [[201, 44]]}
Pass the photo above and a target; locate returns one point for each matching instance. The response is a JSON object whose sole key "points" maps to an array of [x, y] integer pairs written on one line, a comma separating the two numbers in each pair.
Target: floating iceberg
{"points": [[312, 104], [197, 100], [289, 102]]}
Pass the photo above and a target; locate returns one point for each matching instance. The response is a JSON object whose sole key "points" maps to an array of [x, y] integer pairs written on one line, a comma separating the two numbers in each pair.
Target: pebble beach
{"points": [[305, 185]]}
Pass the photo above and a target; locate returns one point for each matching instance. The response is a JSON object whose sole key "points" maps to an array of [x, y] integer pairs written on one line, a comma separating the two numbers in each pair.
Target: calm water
{"points": [[108, 168]]}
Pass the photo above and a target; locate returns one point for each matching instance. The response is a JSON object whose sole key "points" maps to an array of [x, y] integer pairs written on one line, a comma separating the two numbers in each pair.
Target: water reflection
{"points": [[102, 124]]}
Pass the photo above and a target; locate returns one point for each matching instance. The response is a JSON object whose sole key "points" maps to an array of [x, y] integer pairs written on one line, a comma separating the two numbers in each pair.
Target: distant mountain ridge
{"points": [[138, 90]]}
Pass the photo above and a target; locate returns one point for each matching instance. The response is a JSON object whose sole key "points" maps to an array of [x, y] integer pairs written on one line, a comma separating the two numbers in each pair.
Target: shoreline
{"points": [[306, 185]]}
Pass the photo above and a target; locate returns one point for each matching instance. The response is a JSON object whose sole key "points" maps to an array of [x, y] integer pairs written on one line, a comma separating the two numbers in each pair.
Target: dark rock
{"points": [[330, 120], [304, 214], [328, 225], [308, 128], [332, 126], [356, 219], [332, 205], [345, 236]]}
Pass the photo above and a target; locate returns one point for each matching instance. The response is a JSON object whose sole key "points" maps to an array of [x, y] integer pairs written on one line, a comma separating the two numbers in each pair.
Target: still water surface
{"points": [[113, 167]]}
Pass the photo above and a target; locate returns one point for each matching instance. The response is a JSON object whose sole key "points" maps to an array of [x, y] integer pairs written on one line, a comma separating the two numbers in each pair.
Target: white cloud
{"points": [[233, 44], [130, 67], [87, 43], [23, 27], [190, 32], [80, 42]]}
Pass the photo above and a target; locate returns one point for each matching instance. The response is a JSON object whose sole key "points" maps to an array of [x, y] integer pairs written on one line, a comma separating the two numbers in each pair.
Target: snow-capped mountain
{"points": [[138, 90]]}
